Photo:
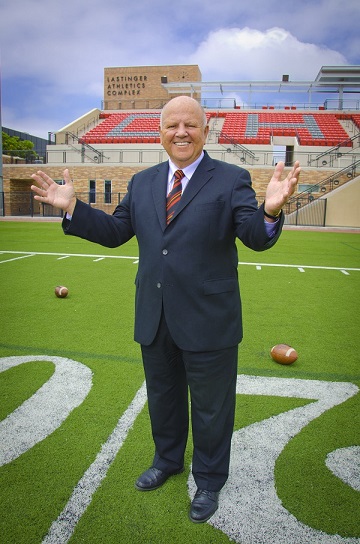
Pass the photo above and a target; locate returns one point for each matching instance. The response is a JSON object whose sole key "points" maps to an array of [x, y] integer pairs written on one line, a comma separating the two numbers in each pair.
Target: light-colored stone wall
{"points": [[18, 178], [342, 206], [141, 87]]}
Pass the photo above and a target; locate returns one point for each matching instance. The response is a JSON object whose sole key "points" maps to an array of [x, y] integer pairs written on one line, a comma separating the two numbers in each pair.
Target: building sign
{"points": [[125, 85]]}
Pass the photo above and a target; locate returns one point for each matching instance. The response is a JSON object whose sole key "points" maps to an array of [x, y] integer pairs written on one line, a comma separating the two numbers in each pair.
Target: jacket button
{"points": [[164, 251], [158, 285]]}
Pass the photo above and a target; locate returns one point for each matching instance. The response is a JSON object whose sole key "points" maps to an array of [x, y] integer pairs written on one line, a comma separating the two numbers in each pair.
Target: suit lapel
{"points": [[159, 186]]}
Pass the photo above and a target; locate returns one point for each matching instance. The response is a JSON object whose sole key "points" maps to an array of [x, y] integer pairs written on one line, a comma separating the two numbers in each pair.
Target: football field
{"points": [[74, 427]]}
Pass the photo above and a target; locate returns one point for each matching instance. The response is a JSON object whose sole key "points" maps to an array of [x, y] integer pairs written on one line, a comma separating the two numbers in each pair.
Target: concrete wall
{"points": [[78, 127], [343, 205]]}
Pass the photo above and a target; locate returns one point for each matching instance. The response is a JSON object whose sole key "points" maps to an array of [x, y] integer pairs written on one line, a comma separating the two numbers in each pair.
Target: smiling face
{"points": [[183, 130]]}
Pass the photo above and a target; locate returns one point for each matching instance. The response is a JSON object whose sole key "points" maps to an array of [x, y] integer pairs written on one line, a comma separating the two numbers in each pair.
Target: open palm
{"points": [[279, 191], [48, 191]]}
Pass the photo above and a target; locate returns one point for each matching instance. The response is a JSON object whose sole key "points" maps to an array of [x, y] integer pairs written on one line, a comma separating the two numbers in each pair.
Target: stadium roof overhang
{"points": [[330, 79]]}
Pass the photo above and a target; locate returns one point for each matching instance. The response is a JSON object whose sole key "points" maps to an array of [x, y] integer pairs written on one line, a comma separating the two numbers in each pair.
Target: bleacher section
{"points": [[310, 129], [133, 127], [248, 128], [355, 118], [117, 128]]}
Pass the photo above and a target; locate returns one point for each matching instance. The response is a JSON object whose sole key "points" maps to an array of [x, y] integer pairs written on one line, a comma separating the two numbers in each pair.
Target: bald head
{"points": [[183, 104]]}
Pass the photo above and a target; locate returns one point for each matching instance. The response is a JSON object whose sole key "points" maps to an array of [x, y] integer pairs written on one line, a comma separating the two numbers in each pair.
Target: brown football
{"points": [[61, 291], [283, 354]]}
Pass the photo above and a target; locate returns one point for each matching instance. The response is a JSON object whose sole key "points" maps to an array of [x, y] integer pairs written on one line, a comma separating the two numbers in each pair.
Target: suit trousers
{"points": [[210, 377]]}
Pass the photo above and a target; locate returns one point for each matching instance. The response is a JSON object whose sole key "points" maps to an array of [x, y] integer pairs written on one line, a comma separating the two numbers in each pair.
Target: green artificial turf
{"points": [[315, 311]]}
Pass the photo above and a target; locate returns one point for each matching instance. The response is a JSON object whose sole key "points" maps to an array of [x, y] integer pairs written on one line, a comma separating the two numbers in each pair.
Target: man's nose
{"points": [[181, 130]]}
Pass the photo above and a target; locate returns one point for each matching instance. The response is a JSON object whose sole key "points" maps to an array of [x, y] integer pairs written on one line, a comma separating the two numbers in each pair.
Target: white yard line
{"points": [[301, 266], [135, 260], [30, 253], [16, 258]]}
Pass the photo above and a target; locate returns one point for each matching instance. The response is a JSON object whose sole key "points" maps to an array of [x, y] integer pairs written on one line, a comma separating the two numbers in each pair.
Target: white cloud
{"points": [[53, 57], [249, 54]]}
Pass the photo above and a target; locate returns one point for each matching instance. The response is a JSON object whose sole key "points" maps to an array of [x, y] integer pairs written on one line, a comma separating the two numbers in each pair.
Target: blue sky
{"points": [[53, 53]]}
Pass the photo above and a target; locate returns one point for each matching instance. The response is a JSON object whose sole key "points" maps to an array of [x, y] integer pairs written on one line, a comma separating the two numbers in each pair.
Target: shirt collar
{"points": [[188, 170]]}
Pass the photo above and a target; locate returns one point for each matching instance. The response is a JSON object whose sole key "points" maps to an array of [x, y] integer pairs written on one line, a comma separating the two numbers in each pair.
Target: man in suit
{"points": [[186, 214]]}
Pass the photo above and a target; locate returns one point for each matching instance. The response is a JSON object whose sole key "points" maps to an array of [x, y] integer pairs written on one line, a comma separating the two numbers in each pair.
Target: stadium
{"points": [[106, 146], [74, 428]]}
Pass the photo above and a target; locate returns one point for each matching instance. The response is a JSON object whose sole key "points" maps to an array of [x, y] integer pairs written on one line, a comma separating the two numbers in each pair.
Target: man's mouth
{"points": [[181, 144]]}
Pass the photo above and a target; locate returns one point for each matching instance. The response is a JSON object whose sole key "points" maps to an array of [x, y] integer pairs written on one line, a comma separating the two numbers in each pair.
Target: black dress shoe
{"points": [[154, 478], [204, 505]]}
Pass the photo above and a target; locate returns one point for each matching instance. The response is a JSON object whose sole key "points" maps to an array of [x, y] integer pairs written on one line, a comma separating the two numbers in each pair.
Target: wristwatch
{"points": [[271, 216]]}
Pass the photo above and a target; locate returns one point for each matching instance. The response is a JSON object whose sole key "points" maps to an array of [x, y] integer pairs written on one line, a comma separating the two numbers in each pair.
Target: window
{"points": [[107, 191], [92, 191]]}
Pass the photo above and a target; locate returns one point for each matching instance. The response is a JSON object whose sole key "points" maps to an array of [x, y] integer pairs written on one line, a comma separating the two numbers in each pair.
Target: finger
{"points": [[42, 179], [40, 192], [38, 177], [67, 178], [40, 198], [35, 189], [278, 170], [295, 169]]}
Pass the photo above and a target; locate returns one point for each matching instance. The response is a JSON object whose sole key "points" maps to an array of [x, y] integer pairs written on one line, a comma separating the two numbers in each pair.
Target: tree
{"points": [[13, 146]]}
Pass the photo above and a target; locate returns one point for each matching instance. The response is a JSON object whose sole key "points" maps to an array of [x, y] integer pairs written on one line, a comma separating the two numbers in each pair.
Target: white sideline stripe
{"points": [[345, 272], [61, 529], [64, 257], [69, 255], [136, 260], [302, 266], [99, 259], [16, 258], [301, 269]]}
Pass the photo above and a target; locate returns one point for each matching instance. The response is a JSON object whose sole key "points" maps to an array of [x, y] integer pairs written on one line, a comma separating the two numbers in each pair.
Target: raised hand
{"points": [[279, 191], [50, 192]]}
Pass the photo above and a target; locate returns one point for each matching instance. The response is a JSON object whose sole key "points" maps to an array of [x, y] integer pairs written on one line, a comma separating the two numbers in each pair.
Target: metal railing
{"points": [[309, 206], [327, 157], [23, 204], [232, 146]]}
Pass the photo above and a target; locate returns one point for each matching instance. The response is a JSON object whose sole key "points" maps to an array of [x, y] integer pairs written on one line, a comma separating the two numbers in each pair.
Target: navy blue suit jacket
{"points": [[190, 267]]}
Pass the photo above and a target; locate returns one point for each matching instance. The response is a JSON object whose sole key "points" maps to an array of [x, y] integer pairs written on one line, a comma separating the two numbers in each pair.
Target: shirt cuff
{"points": [[271, 228]]}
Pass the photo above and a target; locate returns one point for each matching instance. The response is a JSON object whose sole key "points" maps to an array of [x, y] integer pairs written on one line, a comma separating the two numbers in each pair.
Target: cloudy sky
{"points": [[53, 52]]}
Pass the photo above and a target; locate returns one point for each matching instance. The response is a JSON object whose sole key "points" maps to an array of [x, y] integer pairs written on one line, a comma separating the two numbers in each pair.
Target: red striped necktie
{"points": [[174, 196]]}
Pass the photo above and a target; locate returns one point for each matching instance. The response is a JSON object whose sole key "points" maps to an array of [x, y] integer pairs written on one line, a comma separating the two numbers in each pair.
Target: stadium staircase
{"points": [[244, 154], [308, 197], [97, 158], [327, 157]]}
